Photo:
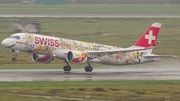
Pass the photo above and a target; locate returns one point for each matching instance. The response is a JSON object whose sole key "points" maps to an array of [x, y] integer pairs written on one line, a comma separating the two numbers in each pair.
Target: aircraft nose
{"points": [[6, 43]]}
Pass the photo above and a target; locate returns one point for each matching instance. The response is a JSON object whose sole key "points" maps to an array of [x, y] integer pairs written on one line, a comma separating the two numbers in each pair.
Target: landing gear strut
{"points": [[15, 55], [88, 68], [67, 68]]}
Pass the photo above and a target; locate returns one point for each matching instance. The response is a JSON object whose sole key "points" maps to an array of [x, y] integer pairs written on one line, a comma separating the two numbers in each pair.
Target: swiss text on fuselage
{"points": [[47, 41]]}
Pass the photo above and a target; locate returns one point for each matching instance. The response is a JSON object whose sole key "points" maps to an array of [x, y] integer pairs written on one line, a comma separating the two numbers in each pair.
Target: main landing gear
{"points": [[15, 55], [67, 68], [88, 68]]}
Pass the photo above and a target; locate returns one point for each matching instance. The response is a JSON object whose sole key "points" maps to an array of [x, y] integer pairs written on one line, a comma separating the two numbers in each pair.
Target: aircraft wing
{"points": [[121, 51], [160, 56]]}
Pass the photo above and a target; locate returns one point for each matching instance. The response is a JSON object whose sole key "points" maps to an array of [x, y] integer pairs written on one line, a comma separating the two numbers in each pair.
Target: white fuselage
{"points": [[57, 47]]}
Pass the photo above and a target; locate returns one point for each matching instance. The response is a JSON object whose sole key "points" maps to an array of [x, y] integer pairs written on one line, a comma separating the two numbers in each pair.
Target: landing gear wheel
{"points": [[67, 68], [64, 68], [15, 54], [88, 69], [14, 59]]}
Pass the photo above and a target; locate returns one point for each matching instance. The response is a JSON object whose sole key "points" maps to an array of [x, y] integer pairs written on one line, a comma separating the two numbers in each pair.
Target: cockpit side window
{"points": [[13, 36], [17, 37]]}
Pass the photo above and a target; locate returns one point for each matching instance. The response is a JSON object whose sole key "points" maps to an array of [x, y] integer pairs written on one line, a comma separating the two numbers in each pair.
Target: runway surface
{"points": [[97, 74], [92, 15]]}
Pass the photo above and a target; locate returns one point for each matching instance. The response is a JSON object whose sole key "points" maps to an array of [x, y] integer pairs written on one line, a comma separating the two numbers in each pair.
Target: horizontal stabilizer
{"points": [[160, 56]]}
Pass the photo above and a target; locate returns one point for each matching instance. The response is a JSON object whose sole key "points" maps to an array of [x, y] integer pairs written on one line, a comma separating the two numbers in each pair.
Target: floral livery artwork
{"points": [[115, 59], [77, 45], [79, 57], [46, 46], [43, 49], [129, 58], [29, 42], [29, 37]]}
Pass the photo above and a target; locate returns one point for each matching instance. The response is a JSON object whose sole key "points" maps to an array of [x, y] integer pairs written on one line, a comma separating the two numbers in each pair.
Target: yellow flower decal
{"points": [[29, 37]]}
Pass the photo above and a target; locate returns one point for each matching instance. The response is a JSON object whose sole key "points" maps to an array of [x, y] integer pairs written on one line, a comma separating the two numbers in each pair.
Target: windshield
{"points": [[13, 36]]}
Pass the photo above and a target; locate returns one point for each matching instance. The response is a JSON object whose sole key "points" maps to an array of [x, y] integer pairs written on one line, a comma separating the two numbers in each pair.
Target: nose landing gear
{"points": [[14, 59], [15, 55]]}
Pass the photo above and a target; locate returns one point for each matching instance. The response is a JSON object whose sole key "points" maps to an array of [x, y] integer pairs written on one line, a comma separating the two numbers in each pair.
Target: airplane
{"points": [[44, 49]]}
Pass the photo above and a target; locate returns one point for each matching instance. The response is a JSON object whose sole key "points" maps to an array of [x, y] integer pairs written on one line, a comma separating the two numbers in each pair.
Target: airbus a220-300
{"points": [[45, 48]]}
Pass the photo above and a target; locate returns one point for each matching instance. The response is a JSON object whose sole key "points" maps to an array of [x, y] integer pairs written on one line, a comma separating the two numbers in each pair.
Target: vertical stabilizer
{"points": [[149, 37]]}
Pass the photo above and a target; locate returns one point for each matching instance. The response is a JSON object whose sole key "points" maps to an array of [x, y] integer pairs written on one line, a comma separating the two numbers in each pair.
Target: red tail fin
{"points": [[149, 38]]}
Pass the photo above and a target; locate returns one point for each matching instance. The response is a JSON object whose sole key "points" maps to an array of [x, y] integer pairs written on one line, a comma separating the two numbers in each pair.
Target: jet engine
{"points": [[41, 58], [76, 57]]}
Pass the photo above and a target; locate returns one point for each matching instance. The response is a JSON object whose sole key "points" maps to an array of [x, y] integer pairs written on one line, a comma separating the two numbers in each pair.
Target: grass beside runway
{"points": [[158, 90], [90, 9]]}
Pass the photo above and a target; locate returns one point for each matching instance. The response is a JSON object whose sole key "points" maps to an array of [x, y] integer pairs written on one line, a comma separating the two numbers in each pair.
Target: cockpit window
{"points": [[13, 36], [17, 37]]}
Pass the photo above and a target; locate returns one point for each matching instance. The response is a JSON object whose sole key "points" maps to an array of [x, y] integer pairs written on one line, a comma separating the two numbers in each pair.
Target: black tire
{"points": [[65, 68], [14, 59], [90, 69], [87, 69], [13, 50], [68, 68]]}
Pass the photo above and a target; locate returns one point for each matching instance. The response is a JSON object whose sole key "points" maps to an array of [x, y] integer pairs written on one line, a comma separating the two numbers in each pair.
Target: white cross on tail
{"points": [[150, 37]]}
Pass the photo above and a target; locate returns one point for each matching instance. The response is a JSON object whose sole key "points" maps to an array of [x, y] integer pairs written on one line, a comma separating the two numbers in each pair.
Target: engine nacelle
{"points": [[76, 57], [41, 58]]}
